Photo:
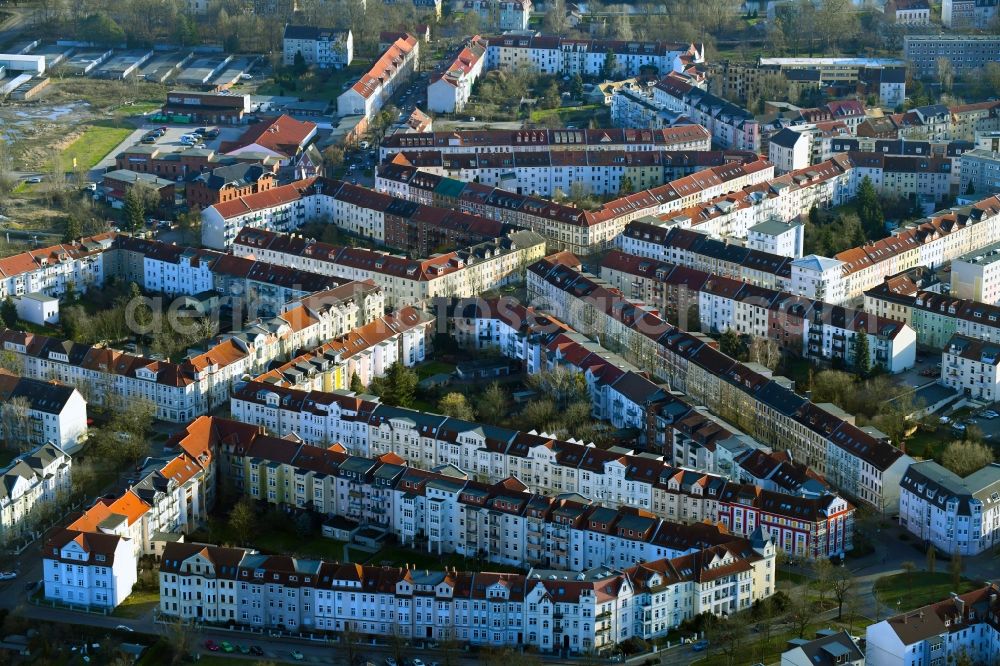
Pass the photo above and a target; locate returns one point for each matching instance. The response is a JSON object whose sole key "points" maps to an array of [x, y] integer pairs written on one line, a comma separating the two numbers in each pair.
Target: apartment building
{"points": [[731, 126], [855, 463], [285, 139], [544, 609], [501, 15], [784, 239], [980, 172], [226, 183], [967, 53], [550, 54], [909, 12], [547, 465], [959, 14], [52, 270], [566, 226], [466, 272], [972, 367], [687, 137], [320, 47], [402, 336], [976, 276], [554, 172], [956, 515], [376, 86], [53, 412], [961, 626], [93, 561], [888, 74], [806, 327], [449, 89], [358, 210], [32, 481]]}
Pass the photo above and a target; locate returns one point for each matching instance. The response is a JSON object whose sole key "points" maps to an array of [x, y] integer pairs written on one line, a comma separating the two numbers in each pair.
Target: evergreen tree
{"points": [[870, 210], [610, 65], [730, 344], [627, 187], [356, 385], [814, 217], [931, 558], [862, 361], [74, 229], [576, 86], [971, 189], [397, 387], [134, 211], [8, 312], [299, 65]]}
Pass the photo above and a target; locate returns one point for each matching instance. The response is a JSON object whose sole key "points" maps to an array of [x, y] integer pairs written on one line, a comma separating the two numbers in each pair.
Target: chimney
{"points": [[959, 603]]}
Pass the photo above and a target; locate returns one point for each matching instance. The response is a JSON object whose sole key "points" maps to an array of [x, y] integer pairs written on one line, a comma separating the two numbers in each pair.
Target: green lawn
{"points": [[919, 589], [92, 146], [425, 370], [315, 85], [137, 604], [572, 114]]}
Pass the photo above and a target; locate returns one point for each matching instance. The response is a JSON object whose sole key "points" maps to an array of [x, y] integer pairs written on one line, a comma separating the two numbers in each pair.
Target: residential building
{"points": [[392, 69], [972, 367], [976, 276], [54, 413], [115, 186], [909, 12], [962, 625], [953, 514], [964, 14], [185, 163], [88, 569], [449, 89], [687, 137], [788, 150], [54, 270], [550, 54], [465, 272], [36, 479], [566, 226], [784, 239], [730, 126], [883, 77], [829, 648], [285, 139], [321, 47], [967, 53], [501, 15], [37, 309], [980, 172], [854, 462], [554, 172], [229, 182], [384, 218]]}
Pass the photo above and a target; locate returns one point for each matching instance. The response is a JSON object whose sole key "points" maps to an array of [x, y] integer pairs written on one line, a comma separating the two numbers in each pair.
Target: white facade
{"points": [[33, 480], [976, 276], [38, 309], [89, 570], [322, 47], [393, 68], [784, 239]]}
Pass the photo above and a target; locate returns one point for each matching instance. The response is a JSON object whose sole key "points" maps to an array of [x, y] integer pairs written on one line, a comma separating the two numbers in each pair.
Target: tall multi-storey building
{"points": [[449, 89], [322, 47], [393, 68], [967, 53], [31, 481]]}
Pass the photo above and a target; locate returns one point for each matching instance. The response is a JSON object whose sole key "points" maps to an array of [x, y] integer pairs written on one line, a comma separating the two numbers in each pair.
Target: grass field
{"points": [[755, 650], [137, 604], [96, 141], [916, 590], [275, 540], [396, 556], [318, 85], [581, 115]]}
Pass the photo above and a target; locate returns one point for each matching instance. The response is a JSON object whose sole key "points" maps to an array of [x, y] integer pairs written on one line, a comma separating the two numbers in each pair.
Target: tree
{"points": [[945, 73], [730, 344], [134, 210], [189, 225], [8, 312], [576, 84], [870, 210], [357, 386], [766, 352], [74, 229], [965, 457], [11, 362], [15, 420], [728, 634], [931, 558], [243, 520], [862, 357], [841, 584], [181, 640], [626, 187], [800, 613], [822, 577], [610, 66], [455, 405], [299, 66], [397, 387], [955, 569], [908, 568], [333, 157], [102, 29], [562, 386], [493, 404], [125, 439]]}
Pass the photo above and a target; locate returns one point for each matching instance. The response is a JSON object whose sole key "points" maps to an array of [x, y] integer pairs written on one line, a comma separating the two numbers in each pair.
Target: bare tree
{"points": [[841, 584], [15, 419], [766, 352], [946, 73]]}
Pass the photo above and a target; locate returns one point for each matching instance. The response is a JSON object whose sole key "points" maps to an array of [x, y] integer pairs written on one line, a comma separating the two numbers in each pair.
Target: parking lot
{"points": [[171, 140]]}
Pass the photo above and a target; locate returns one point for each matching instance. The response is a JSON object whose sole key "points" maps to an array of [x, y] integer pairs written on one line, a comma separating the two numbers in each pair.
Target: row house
{"points": [[731, 126], [547, 173], [402, 336], [29, 483], [501, 16], [53, 271], [548, 610], [972, 367], [369, 94], [565, 227], [93, 561], [688, 137], [383, 218], [857, 464], [551, 54], [461, 273], [449, 89], [494, 455]]}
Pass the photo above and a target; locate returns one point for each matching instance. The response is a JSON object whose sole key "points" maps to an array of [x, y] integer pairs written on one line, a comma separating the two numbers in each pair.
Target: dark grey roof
{"points": [[933, 483]]}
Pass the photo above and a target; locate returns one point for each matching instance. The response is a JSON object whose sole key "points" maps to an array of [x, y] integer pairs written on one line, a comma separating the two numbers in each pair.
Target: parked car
{"points": [[990, 414], [297, 656], [8, 575], [944, 420], [34, 179], [390, 661], [211, 645], [246, 77], [700, 646], [256, 651], [958, 427], [227, 647], [200, 131], [125, 628], [212, 133]]}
